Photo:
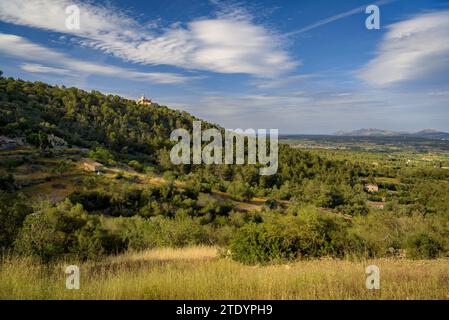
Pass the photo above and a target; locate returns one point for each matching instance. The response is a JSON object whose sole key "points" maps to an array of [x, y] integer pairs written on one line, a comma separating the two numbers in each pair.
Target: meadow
{"points": [[201, 273]]}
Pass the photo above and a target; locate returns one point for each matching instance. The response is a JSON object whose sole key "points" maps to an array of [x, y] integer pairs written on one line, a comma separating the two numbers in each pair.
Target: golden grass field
{"points": [[198, 273]]}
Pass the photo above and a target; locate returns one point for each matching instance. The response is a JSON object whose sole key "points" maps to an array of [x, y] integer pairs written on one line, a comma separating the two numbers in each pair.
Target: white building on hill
{"points": [[144, 101]]}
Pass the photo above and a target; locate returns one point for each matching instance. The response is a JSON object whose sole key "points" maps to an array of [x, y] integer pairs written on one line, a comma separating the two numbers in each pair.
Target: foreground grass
{"points": [[197, 273]]}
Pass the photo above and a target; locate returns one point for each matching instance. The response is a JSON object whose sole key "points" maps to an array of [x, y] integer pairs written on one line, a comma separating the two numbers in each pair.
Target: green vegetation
{"points": [[65, 230], [13, 211], [308, 235], [318, 204]]}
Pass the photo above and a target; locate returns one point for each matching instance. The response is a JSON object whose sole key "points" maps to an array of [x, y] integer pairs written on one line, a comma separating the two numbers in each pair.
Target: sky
{"points": [[309, 66]]}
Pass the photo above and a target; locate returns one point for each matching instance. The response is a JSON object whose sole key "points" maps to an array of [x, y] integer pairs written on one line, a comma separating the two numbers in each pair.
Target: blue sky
{"points": [[299, 66]]}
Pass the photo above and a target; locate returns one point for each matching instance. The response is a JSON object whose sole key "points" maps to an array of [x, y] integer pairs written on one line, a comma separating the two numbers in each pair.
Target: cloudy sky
{"points": [[299, 66]]}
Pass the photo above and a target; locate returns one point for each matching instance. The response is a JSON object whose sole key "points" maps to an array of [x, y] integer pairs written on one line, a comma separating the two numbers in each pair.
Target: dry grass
{"points": [[197, 273]]}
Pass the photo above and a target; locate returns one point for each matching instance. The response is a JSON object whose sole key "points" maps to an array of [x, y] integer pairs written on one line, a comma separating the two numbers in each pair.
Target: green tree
{"points": [[13, 211], [52, 232], [101, 154]]}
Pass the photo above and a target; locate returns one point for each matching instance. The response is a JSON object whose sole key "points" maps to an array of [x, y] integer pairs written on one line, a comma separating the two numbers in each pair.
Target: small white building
{"points": [[90, 165], [372, 188], [144, 101]]}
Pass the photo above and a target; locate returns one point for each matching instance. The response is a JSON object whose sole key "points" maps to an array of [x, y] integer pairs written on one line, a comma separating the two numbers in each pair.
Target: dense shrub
{"points": [[218, 235], [140, 233], [377, 233], [39, 140], [309, 234], [164, 232], [91, 200], [13, 211], [102, 155], [240, 190], [155, 200], [425, 246], [7, 182], [64, 230], [194, 186], [419, 237], [213, 207], [136, 165]]}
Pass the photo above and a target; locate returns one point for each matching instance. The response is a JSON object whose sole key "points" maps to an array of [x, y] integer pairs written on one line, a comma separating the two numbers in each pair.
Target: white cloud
{"points": [[96, 21], [413, 49], [20, 47], [38, 68], [237, 46], [229, 43]]}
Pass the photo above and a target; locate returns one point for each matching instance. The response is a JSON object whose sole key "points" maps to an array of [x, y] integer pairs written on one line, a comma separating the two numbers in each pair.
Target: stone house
{"points": [[93, 166], [372, 188]]}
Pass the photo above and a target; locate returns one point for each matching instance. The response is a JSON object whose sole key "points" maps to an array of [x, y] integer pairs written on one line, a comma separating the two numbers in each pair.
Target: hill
{"points": [[367, 133], [426, 133], [35, 110], [431, 134]]}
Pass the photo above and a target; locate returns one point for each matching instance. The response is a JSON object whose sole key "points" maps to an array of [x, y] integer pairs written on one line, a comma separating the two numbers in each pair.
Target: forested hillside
{"points": [[86, 119], [131, 131]]}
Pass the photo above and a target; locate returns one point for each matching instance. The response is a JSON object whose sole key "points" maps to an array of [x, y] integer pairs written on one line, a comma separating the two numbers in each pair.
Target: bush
{"points": [[212, 206], [219, 235], [425, 245], [140, 233], [38, 140], [13, 211], [258, 243], [91, 200], [66, 230], [180, 231], [7, 182], [240, 190], [160, 231], [376, 233], [136, 165], [310, 234], [102, 155]]}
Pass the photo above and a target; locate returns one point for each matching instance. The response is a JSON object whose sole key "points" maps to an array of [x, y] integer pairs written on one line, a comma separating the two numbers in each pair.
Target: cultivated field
{"points": [[199, 273]]}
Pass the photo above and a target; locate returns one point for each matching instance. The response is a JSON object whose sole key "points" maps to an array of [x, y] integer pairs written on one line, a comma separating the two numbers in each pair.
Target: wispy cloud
{"points": [[416, 49], [281, 82], [38, 68], [20, 47], [336, 17], [324, 111], [226, 43]]}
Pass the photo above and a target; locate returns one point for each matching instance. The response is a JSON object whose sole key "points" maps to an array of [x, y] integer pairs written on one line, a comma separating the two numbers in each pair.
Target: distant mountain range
{"points": [[426, 133]]}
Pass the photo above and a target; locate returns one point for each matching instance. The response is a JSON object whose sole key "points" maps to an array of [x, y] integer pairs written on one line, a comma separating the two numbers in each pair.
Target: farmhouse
{"points": [[371, 188], [92, 166]]}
